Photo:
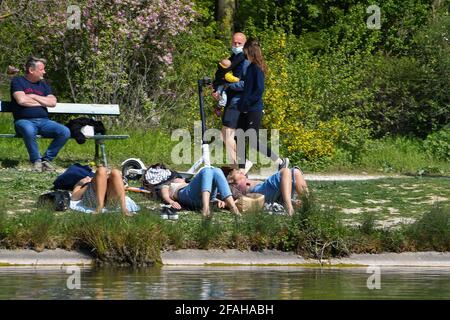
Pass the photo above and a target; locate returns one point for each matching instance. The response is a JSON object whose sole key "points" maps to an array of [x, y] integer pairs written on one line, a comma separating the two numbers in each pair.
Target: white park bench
{"points": [[92, 110]]}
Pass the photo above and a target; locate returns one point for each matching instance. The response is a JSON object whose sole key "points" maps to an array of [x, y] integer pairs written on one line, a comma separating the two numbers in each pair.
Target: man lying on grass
{"points": [[278, 187]]}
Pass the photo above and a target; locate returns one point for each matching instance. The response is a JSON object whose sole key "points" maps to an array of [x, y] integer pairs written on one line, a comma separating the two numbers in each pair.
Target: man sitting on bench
{"points": [[30, 98]]}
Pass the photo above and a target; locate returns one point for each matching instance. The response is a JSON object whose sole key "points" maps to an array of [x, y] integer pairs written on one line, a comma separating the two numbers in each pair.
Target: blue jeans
{"points": [[271, 188], [208, 179], [29, 128]]}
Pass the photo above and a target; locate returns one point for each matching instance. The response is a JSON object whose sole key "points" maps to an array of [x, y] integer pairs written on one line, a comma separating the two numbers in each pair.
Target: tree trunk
{"points": [[225, 10]]}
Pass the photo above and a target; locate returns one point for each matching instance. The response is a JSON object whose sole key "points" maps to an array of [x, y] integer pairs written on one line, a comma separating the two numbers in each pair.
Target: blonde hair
{"points": [[236, 190]]}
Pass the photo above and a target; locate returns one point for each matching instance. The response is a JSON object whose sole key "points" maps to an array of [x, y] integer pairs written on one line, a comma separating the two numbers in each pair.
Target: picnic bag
{"points": [[251, 202]]}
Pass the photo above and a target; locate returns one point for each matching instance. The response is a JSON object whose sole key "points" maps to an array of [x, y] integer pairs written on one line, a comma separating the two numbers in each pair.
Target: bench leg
{"points": [[96, 157], [102, 147], [99, 144]]}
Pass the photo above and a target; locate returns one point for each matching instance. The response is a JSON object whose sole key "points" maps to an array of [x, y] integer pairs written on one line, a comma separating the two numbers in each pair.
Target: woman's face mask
{"points": [[237, 50]]}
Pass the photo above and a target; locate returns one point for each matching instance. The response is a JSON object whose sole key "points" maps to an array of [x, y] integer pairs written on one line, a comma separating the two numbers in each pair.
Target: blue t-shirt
{"points": [[39, 88]]}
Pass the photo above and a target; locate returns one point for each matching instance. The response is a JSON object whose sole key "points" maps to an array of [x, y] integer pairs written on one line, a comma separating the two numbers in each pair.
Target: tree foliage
{"points": [[333, 83]]}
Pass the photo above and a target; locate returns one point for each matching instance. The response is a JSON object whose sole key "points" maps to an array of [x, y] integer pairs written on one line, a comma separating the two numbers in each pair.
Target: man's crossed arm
{"points": [[33, 100]]}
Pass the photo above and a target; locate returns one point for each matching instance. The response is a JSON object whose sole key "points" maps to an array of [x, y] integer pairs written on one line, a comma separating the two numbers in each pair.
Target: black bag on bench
{"points": [[75, 126]]}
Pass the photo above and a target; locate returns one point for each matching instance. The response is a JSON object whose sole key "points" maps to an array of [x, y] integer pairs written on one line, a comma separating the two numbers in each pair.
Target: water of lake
{"points": [[223, 283]]}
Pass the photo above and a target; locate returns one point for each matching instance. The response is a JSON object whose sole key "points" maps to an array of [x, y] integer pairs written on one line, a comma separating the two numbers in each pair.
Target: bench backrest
{"points": [[74, 108]]}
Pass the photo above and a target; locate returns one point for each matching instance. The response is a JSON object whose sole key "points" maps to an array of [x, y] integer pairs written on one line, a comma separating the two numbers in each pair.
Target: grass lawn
{"points": [[339, 218], [389, 200]]}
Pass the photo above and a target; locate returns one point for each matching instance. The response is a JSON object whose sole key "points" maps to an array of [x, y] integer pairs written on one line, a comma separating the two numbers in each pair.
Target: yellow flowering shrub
{"points": [[293, 113]]}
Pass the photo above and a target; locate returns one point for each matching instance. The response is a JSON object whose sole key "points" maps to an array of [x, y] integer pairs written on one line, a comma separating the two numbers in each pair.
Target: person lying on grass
{"points": [[100, 190], [207, 184], [278, 187]]}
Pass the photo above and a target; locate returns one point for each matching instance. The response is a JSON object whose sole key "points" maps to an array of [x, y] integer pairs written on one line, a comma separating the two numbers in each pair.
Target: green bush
{"points": [[262, 231], [432, 231], [368, 224], [115, 239], [437, 144], [208, 232], [30, 230], [3, 223], [398, 154], [319, 232]]}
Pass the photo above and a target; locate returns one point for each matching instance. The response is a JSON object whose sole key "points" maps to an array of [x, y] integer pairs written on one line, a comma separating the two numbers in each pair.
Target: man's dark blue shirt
{"points": [[39, 88]]}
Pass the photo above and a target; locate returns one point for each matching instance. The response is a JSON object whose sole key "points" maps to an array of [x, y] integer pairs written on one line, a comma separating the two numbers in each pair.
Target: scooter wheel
{"points": [[131, 164]]}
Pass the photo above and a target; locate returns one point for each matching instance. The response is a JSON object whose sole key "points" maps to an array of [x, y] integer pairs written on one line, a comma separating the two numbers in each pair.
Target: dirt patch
{"points": [[388, 223], [433, 199], [352, 211], [12, 212], [360, 210], [351, 223], [411, 187], [414, 199], [371, 201], [393, 211]]}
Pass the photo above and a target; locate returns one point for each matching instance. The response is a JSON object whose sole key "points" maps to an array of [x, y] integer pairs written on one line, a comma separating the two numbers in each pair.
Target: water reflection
{"points": [[224, 283]]}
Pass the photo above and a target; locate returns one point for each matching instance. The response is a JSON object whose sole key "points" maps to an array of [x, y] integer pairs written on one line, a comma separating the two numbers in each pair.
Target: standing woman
{"points": [[251, 104]]}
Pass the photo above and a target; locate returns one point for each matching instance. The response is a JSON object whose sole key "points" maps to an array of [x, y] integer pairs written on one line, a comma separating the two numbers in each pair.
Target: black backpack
{"points": [[59, 200], [73, 174]]}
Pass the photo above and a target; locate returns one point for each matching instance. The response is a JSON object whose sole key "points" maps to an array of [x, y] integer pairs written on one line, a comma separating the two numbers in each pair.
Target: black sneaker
{"points": [[283, 164], [173, 215], [168, 213]]}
